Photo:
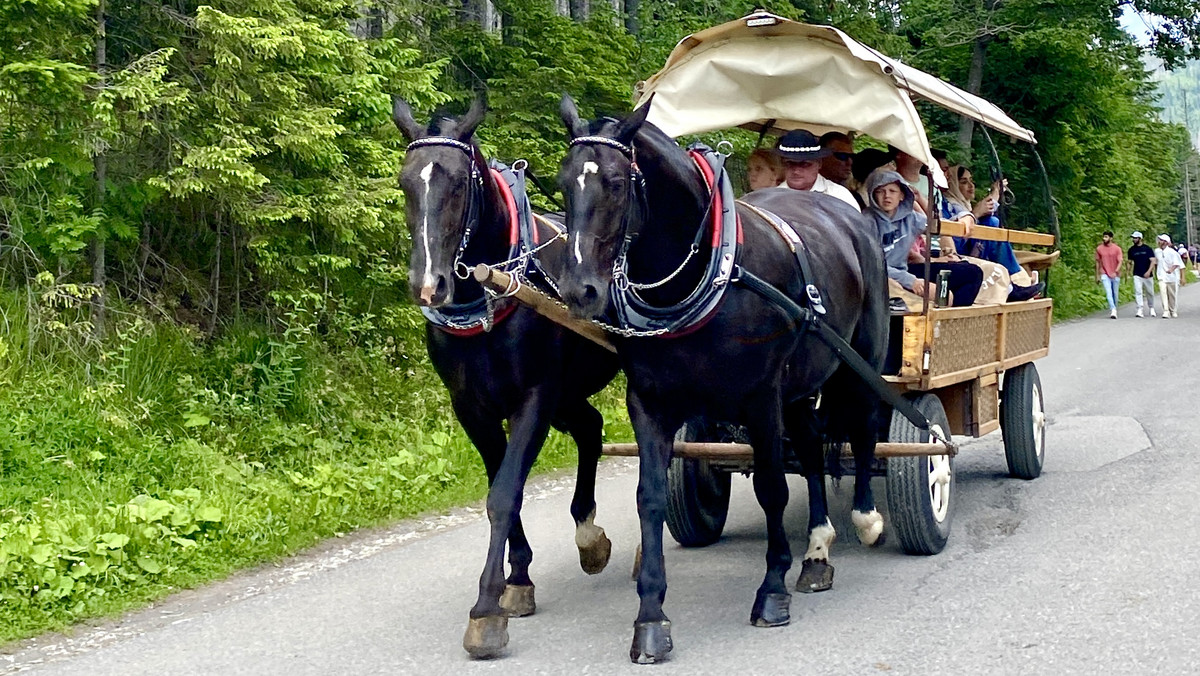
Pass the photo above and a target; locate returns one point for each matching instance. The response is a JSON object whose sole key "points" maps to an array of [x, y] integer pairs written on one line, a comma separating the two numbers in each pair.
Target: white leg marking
{"points": [[425, 175], [588, 168], [869, 526], [588, 532], [820, 539]]}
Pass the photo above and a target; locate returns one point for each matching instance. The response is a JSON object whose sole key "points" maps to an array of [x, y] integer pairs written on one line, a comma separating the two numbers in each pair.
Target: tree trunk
{"points": [[631, 16], [966, 127], [215, 280], [579, 10], [100, 167]]}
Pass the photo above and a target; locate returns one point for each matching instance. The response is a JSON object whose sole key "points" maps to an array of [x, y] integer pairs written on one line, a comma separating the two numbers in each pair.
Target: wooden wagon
{"points": [[968, 370]]}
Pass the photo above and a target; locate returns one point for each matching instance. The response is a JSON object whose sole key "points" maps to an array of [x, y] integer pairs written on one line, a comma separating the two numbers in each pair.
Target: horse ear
{"points": [[403, 117], [628, 128], [570, 117], [470, 121]]}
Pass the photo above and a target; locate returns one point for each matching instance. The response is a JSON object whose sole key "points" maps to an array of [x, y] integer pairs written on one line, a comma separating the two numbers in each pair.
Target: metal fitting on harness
{"points": [[814, 299]]}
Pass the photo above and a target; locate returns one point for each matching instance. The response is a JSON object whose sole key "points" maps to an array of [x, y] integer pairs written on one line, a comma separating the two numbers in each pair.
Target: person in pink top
{"points": [[1108, 270]]}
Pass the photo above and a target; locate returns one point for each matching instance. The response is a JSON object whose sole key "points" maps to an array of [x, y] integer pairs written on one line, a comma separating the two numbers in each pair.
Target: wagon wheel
{"points": [[697, 494], [920, 489], [1023, 422]]}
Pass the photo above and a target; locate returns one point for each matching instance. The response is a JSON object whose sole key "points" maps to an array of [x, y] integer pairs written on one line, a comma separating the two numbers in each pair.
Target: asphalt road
{"points": [[1089, 569]]}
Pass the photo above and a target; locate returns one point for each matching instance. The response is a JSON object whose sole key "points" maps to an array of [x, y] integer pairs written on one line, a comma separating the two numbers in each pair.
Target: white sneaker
{"points": [[1153, 313], [1166, 316], [1112, 315], [1174, 314], [1139, 314]]}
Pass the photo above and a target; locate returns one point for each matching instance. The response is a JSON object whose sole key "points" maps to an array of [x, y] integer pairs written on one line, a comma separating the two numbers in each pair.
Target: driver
{"points": [[802, 153]]}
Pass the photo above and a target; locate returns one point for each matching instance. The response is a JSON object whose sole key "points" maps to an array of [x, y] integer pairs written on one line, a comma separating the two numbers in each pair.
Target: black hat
{"points": [[799, 145]]}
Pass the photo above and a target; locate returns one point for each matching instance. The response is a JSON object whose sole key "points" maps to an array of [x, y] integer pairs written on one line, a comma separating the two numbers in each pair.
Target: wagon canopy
{"points": [[764, 69]]}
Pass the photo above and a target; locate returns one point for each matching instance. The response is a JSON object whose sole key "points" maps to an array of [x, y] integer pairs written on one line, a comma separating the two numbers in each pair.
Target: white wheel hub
{"points": [[939, 470], [1039, 422]]}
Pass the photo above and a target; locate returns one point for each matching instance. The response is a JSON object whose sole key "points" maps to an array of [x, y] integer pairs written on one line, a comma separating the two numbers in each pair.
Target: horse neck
{"points": [[489, 241], [677, 198]]}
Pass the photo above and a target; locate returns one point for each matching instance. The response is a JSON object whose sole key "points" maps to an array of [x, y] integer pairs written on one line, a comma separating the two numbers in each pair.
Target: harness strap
{"points": [[796, 243], [807, 319]]}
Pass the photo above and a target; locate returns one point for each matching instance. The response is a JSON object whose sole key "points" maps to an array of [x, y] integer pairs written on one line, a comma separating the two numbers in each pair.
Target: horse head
{"points": [[443, 173], [599, 180]]}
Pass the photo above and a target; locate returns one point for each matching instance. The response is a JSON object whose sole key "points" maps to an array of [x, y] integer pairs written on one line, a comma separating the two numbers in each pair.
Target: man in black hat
{"points": [[801, 153]]}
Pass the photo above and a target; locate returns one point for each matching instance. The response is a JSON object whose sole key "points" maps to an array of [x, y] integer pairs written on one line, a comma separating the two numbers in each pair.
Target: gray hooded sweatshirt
{"points": [[898, 231]]}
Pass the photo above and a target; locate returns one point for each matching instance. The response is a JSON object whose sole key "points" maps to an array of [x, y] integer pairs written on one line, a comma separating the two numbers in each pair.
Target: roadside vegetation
{"points": [[207, 356]]}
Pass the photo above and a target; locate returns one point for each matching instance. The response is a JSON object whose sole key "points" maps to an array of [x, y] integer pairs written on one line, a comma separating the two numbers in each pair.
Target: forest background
{"points": [[207, 356]]}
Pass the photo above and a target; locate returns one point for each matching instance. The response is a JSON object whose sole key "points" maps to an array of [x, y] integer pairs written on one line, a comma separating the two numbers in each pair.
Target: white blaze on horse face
{"points": [[820, 539], [588, 168], [578, 256], [425, 174]]}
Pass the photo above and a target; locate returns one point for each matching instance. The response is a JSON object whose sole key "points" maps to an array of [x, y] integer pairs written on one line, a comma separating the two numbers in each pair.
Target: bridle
{"points": [[474, 194]]}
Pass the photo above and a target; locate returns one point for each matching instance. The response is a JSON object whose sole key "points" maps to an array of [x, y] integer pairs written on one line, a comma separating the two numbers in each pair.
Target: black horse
{"points": [[748, 364], [525, 369]]}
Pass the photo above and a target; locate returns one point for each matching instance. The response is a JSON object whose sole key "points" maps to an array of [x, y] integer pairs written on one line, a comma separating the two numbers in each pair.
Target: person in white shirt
{"points": [[1170, 265], [802, 153]]}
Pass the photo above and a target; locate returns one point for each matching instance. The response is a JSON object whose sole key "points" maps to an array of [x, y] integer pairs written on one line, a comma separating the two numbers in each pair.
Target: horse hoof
{"points": [[771, 610], [869, 527], [651, 642], [593, 557], [486, 637], [815, 576], [517, 600]]}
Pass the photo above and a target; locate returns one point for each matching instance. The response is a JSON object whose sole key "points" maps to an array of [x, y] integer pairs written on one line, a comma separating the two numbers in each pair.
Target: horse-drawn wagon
{"points": [[968, 370]]}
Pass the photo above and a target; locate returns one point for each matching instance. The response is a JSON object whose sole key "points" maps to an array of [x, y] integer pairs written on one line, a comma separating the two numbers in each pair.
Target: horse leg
{"points": [[487, 630], [868, 522], [651, 629], [488, 438], [586, 427], [816, 573], [772, 602]]}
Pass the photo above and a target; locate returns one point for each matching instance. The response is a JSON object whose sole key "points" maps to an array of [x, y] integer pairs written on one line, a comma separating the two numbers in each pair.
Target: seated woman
{"points": [[959, 197], [764, 169], [898, 225]]}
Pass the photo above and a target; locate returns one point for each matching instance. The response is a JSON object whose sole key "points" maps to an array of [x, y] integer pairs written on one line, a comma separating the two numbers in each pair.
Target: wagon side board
{"points": [[960, 353]]}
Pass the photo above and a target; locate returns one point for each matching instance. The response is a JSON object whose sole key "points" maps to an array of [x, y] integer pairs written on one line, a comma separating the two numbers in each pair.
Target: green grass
{"points": [[159, 460]]}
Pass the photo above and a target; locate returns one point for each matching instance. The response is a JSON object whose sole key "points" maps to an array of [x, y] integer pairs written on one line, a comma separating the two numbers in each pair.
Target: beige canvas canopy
{"points": [[764, 69]]}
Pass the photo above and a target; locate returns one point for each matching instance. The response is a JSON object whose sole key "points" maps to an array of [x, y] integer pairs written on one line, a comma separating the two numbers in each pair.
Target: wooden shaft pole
{"points": [[544, 305], [719, 451]]}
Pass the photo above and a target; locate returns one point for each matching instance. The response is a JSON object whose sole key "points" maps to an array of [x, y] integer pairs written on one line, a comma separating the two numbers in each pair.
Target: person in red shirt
{"points": [[1108, 270]]}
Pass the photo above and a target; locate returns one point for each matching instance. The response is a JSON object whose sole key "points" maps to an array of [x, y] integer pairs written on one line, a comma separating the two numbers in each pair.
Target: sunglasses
{"points": [[845, 157]]}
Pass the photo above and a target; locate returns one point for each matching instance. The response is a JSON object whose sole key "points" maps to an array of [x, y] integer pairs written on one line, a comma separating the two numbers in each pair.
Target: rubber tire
{"points": [[697, 495], [1022, 450], [908, 494]]}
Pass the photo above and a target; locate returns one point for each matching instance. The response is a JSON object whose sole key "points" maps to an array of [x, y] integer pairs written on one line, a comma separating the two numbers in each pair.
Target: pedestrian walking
{"points": [[1142, 260], [1108, 270], [1169, 267]]}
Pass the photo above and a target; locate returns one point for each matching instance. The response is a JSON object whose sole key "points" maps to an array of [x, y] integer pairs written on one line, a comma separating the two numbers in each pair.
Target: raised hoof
{"points": [[815, 576], [517, 600], [594, 557], [651, 642], [486, 637], [771, 610]]}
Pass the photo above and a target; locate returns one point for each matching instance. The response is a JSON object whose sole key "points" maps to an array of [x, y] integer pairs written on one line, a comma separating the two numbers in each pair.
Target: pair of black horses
{"points": [[746, 365]]}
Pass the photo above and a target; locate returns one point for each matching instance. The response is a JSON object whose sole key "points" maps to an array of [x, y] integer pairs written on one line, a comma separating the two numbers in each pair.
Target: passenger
{"points": [[913, 171], [960, 193], [898, 226], [802, 153], [866, 161], [838, 165], [763, 169]]}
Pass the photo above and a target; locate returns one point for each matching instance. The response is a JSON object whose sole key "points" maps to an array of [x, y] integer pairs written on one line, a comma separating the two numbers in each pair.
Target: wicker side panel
{"points": [[987, 402], [963, 343], [1026, 332]]}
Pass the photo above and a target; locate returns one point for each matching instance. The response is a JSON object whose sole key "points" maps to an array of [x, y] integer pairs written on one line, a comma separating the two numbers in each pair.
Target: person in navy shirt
{"points": [[1142, 259]]}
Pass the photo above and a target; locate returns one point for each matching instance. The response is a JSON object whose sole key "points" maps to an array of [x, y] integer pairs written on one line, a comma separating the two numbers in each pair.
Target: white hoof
{"points": [[869, 526]]}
